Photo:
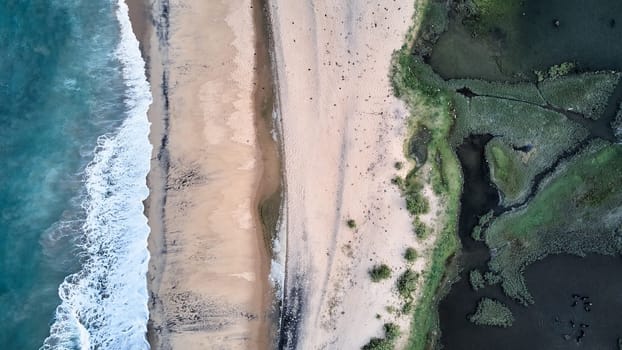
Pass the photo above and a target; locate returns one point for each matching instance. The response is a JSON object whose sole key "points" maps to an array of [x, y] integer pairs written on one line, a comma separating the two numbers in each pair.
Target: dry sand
{"points": [[342, 131], [209, 268]]}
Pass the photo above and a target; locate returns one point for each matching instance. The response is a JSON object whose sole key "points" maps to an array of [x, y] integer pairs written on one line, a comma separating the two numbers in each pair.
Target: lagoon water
{"points": [[75, 152]]}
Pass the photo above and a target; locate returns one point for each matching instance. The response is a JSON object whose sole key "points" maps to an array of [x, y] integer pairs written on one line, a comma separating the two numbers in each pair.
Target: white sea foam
{"points": [[104, 305]]}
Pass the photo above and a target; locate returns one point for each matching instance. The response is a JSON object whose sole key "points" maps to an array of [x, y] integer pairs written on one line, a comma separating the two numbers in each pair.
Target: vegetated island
{"points": [[550, 138]]}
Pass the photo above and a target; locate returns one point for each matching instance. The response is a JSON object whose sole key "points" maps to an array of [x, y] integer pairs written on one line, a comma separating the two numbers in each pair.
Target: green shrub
{"points": [[490, 312], [416, 203], [555, 71], [410, 254], [421, 229], [379, 272], [398, 165], [351, 223], [379, 344], [398, 181], [408, 307], [391, 333], [476, 280], [407, 283]]}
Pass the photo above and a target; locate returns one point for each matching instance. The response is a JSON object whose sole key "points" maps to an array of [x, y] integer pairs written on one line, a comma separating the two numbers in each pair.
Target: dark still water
{"points": [[556, 283], [588, 34], [552, 322]]}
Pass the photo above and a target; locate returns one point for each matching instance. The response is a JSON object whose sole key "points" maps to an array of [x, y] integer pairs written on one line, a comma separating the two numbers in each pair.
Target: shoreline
{"points": [[255, 325]]}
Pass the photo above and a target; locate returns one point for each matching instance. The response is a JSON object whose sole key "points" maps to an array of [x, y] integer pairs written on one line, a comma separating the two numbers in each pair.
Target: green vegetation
{"points": [[578, 210], [477, 233], [433, 107], [407, 283], [555, 71], [586, 93], [478, 230], [391, 333], [616, 125], [527, 92], [529, 134], [408, 307], [398, 165], [507, 167], [421, 229], [487, 16], [379, 272], [492, 278], [398, 181], [433, 22], [410, 254], [490, 312], [351, 223], [545, 133], [476, 280], [416, 203]]}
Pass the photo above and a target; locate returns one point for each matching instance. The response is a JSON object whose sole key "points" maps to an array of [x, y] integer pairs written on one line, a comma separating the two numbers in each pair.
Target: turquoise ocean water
{"points": [[74, 154]]}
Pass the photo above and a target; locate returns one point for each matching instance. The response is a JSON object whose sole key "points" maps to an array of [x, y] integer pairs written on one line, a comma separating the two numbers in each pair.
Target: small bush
{"points": [[379, 344], [416, 203], [407, 283], [391, 333], [410, 254], [421, 230], [477, 280], [408, 308], [379, 272], [351, 223], [398, 181], [398, 165]]}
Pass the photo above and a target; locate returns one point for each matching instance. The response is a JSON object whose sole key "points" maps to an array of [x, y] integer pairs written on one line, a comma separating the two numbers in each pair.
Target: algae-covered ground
{"points": [[550, 121]]}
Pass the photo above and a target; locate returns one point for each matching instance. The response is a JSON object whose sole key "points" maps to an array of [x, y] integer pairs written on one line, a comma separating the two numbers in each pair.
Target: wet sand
{"points": [[212, 168]]}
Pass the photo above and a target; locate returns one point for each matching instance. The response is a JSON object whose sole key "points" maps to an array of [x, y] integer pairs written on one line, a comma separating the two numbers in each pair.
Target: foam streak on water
{"points": [[104, 305]]}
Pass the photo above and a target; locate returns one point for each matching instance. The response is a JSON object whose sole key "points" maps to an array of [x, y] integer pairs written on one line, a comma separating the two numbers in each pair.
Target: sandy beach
{"points": [[343, 131], [209, 265], [216, 172]]}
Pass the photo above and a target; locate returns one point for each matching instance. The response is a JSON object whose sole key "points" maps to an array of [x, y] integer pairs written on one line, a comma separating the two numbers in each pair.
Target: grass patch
{"points": [[507, 169], [586, 93], [380, 272], [490, 312], [578, 210]]}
